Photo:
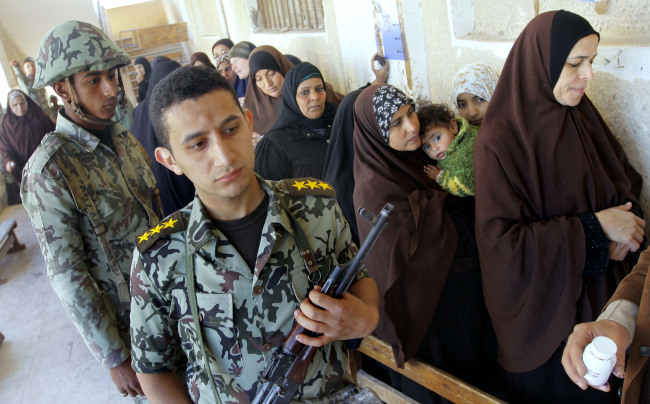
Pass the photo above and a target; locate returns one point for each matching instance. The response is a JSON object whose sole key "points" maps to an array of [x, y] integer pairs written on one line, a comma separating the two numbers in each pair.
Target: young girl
{"points": [[449, 141], [472, 90]]}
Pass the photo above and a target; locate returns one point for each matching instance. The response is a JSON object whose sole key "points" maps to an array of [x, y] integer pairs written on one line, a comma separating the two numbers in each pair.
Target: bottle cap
{"points": [[603, 347]]}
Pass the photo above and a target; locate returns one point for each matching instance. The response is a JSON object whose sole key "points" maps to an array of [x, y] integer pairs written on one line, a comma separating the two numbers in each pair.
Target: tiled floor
{"points": [[43, 359]]}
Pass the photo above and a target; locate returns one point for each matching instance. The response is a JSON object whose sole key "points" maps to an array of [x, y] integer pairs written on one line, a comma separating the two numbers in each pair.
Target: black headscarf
{"points": [[290, 111], [176, 191], [144, 84], [339, 161]]}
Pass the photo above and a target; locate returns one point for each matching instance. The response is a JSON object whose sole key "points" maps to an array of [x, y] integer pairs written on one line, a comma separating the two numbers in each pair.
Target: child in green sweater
{"points": [[449, 141]]}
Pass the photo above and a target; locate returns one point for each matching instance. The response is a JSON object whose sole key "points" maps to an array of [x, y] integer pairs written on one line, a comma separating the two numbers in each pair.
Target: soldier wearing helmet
{"points": [[89, 192]]}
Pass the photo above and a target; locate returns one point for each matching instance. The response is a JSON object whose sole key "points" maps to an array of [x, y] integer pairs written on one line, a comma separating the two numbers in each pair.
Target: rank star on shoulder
{"points": [[312, 184], [170, 223], [156, 229], [299, 184], [324, 185], [144, 237]]}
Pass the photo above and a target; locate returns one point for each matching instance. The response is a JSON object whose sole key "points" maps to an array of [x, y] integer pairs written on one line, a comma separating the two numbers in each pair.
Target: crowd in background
{"points": [[516, 212]]}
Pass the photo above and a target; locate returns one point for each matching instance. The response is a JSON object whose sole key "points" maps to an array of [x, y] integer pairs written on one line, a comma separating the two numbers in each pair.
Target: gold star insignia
{"points": [[156, 229], [169, 223], [312, 184], [299, 184], [324, 185], [143, 237]]}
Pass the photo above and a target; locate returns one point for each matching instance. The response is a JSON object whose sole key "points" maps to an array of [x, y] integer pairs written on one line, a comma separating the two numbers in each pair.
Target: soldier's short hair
{"points": [[184, 83]]}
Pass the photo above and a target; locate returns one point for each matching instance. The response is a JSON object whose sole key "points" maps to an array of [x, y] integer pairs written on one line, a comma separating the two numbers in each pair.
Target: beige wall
{"points": [[141, 15], [619, 89]]}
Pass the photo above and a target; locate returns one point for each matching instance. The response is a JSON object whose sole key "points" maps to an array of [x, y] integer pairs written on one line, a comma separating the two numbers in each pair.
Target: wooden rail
{"points": [[434, 379]]}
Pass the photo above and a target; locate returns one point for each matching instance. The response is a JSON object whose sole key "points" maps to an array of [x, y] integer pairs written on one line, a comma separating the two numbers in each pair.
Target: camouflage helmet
{"points": [[72, 47]]}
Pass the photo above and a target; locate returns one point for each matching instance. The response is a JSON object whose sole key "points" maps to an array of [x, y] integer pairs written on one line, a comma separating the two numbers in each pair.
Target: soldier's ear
{"points": [[165, 157], [61, 90]]}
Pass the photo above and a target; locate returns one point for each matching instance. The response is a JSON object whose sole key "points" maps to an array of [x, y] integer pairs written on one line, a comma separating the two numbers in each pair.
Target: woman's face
{"points": [[217, 50], [225, 69], [472, 107], [404, 129], [240, 66], [311, 97], [19, 105], [577, 71], [270, 82]]}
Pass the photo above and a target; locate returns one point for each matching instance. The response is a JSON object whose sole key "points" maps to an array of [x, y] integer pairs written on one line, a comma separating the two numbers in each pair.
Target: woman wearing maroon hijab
{"points": [[23, 128], [425, 262], [555, 196]]}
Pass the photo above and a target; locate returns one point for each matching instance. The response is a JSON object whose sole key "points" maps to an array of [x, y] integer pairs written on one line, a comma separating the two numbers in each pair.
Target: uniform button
{"points": [[644, 350], [266, 347], [282, 186], [200, 318], [258, 290]]}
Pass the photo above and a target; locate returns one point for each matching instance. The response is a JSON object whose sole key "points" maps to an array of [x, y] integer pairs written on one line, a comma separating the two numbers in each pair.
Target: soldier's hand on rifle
{"points": [[354, 316]]}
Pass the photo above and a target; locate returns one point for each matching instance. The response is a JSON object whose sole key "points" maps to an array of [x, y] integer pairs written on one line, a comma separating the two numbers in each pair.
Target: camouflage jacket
{"points": [[245, 314], [39, 95], [76, 264]]}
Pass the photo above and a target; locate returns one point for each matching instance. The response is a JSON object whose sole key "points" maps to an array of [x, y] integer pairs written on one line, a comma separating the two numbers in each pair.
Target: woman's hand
{"points": [[432, 171], [622, 226], [618, 251]]}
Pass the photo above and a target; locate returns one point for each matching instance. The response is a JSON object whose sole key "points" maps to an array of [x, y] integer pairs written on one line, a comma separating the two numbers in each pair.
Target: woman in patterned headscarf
{"points": [[425, 262], [472, 90]]}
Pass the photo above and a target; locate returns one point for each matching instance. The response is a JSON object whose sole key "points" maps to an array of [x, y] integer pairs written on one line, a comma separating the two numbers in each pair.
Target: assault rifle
{"points": [[288, 367]]}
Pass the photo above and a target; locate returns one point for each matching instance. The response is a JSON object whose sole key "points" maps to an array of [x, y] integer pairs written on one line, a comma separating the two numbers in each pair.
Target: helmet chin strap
{"points": [[121, 102]]}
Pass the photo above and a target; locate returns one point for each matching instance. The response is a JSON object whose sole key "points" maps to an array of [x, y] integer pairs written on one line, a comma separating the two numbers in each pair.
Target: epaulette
{"points": [[172, 224], [307, 186]]}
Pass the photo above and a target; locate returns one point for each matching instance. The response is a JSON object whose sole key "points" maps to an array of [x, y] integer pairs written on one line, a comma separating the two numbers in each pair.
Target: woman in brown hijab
{"points": [[555, 196], [425, 262], [23, 128]]}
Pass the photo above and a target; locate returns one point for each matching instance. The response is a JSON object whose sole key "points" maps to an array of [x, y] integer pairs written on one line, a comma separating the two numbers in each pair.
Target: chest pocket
{"points": [[219, 332]]}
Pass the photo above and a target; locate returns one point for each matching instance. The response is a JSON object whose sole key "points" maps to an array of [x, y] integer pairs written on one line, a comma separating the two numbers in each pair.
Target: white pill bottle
{"points": [[599, 358]]}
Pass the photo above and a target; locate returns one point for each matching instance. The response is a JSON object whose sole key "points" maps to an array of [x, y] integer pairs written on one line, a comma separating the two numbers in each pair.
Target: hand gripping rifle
{"points": [[288, 367]]}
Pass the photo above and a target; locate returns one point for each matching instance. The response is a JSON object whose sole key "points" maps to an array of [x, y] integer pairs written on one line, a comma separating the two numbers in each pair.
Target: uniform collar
{"points": [[81, 136], [200, 227]]}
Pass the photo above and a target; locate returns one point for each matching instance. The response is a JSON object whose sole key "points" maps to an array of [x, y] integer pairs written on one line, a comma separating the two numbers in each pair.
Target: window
{"points": [[286, 15]]}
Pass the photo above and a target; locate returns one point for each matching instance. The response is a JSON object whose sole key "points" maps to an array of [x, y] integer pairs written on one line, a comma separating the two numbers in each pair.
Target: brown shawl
{"points": [[20, 135], [264, 108], [537, 166], [413, 256]]}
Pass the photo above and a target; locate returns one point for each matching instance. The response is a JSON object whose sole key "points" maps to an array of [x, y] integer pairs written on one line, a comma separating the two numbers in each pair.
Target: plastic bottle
{"points": [[599, 358]]}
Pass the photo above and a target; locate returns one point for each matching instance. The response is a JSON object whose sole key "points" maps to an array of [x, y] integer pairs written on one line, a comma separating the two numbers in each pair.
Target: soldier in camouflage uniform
{"points": [[26, 84], [237, 234], [88, 191]]}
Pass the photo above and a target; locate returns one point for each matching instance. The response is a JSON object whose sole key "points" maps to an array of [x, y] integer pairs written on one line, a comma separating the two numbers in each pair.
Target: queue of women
{"points": [[513, 221]]}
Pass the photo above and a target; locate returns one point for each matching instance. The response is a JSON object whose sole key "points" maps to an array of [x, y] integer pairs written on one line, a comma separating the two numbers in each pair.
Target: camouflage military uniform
{"points": [[245, 315], [76, 265], [39, 95]]}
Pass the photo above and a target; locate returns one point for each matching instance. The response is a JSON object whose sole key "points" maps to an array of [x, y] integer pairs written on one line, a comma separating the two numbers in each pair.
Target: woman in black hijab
{"points": [[176, 191], [142, 66], [296, 144]]}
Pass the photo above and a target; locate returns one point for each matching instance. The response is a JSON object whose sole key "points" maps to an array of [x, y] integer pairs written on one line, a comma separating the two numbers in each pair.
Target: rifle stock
{"points": [[287, 370]]}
